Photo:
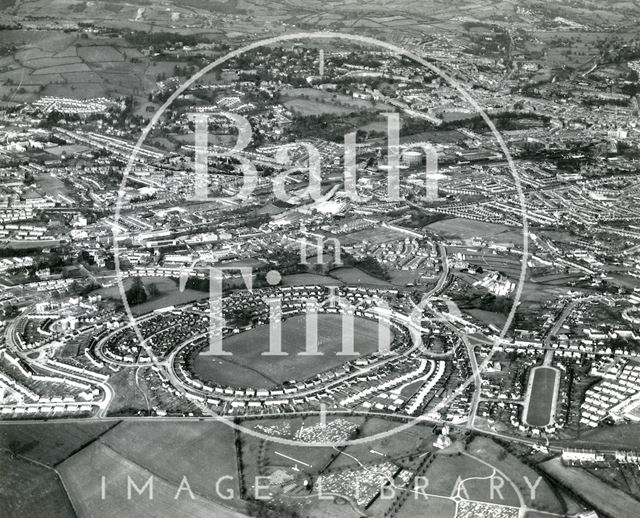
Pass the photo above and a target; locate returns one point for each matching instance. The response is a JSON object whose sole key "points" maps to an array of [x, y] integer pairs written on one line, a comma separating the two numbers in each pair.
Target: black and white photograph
{"points": [[320, 259]]}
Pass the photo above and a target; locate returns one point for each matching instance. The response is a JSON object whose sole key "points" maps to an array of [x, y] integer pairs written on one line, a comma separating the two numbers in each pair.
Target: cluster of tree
{"points": [[629, 151], [369, 265], [7, 50], [488, 302], [331, 126], [197, 284], [136, 294], [123, 116], [184, 71], [10, 311], [420, 219], [502, 121], [618, 50], [362, 59], [55, 260], [604, 102], [162, 39], [54, 117], [240, 316], [83, 289]]}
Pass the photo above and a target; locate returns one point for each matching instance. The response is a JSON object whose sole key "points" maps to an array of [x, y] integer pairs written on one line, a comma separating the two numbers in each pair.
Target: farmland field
{"points": [[99, 54], [83, 474], [69, 66], [249, 368], [201, 451], [27, 489], [51, 443], [601, 496]]}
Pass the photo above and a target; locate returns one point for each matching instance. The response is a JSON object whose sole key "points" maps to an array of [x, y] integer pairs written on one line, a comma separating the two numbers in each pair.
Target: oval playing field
{"points": [[247, 367], [540, 403]]}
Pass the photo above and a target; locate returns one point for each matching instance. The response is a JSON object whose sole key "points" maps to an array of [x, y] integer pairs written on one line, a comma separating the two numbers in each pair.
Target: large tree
{"points": [[136, 294]]}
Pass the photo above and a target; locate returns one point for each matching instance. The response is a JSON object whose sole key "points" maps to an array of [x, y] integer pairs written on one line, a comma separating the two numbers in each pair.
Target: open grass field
{"points": [[170, 294], [259, 454], [249, 368], [623, 436], [263, 457], [445, 470], [536, 293], [12, 244], [310, 101], [311, 107], [433, 506], [51, 184], [404, 277], [315, 459], [128, 398], [466, 229], [399, 447], [373, 236], [603, 497], [354, 276], [329, 508], [491, 452], [309, 279], [27, 489], [488, 317]]}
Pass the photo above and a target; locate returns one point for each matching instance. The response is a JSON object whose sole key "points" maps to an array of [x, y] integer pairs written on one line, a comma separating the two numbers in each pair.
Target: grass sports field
{"points": [[541, 397], [248, 367]]}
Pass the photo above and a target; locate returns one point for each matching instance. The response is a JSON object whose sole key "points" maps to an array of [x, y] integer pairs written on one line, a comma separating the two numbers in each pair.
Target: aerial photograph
{"points": [[316, 259]]}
